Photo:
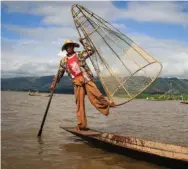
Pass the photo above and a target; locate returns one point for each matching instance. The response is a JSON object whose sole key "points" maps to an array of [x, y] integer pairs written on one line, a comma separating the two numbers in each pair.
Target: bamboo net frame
{"points": [[124, 69]]}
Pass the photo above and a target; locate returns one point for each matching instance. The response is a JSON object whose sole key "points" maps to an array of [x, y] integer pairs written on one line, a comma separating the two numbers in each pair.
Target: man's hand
{"points": [[84, 44], [81, 41], [52, 87]]}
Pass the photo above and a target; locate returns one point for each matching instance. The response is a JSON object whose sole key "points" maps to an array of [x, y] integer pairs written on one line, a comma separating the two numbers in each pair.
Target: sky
{"points": [[32, 33]]}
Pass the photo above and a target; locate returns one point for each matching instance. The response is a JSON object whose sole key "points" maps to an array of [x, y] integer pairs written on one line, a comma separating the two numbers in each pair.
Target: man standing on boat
{"points": [[76, 67]]}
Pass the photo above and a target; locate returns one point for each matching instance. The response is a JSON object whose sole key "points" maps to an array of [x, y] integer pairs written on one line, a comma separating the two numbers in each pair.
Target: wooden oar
{"points": [[45, 114]]}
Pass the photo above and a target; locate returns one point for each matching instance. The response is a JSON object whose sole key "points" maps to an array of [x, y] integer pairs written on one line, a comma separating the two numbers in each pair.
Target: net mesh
{"points": [[125, 70]]}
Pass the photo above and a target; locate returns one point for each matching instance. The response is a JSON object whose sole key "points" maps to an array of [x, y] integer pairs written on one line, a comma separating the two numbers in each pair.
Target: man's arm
{"points": [[58, 75], [89, 51]]}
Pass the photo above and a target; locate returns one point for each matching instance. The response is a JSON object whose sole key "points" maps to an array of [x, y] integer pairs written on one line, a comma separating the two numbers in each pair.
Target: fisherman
{"points": [[74, 63]]}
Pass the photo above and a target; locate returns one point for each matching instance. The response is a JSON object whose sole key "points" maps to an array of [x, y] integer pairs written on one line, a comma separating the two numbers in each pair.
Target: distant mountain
{"points": [[163, 85], [41, 84]]}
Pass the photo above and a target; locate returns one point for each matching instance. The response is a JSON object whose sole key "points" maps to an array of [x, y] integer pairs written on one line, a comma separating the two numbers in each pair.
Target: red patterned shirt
{"points": [[73, 66]]}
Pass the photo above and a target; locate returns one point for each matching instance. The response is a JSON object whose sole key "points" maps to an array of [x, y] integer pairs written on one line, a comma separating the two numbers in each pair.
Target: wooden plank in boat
{"points": [[86, 132]]}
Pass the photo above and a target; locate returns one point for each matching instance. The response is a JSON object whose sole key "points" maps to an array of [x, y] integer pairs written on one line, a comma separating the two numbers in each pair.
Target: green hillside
{"points": [[41, 84]]}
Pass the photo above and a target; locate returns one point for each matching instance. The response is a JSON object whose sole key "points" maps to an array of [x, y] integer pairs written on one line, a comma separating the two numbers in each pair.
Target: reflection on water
{"points": [[164, 121]]}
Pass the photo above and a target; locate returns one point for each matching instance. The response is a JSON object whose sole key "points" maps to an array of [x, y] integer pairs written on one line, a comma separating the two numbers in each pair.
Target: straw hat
{"points": [[67, 42]]}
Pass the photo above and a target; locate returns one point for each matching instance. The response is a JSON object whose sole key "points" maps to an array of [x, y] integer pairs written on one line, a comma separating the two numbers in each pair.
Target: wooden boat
{"points": [[38, 94], [160, 153]]}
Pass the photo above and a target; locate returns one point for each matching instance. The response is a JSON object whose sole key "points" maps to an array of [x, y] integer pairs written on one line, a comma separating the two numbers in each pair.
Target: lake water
{"points": [[21, 115]]}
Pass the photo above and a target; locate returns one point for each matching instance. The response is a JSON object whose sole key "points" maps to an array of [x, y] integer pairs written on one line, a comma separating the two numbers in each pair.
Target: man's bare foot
{"points": [[77, 128]]}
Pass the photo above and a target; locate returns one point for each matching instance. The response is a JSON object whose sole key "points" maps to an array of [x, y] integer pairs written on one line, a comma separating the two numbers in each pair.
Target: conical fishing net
{"points": [[124, 69]]}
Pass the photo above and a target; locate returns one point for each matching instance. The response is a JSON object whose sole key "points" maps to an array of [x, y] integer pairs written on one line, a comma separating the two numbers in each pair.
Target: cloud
{"points": [[39, 41], [42, 33], [59, 13], [162, 12], [29, 56], [35, 58], [37, 52], [27, 65], [172, 53]]}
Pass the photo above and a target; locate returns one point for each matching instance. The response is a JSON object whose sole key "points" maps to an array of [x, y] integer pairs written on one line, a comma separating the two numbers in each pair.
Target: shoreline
{"points": [[149, 97]]}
